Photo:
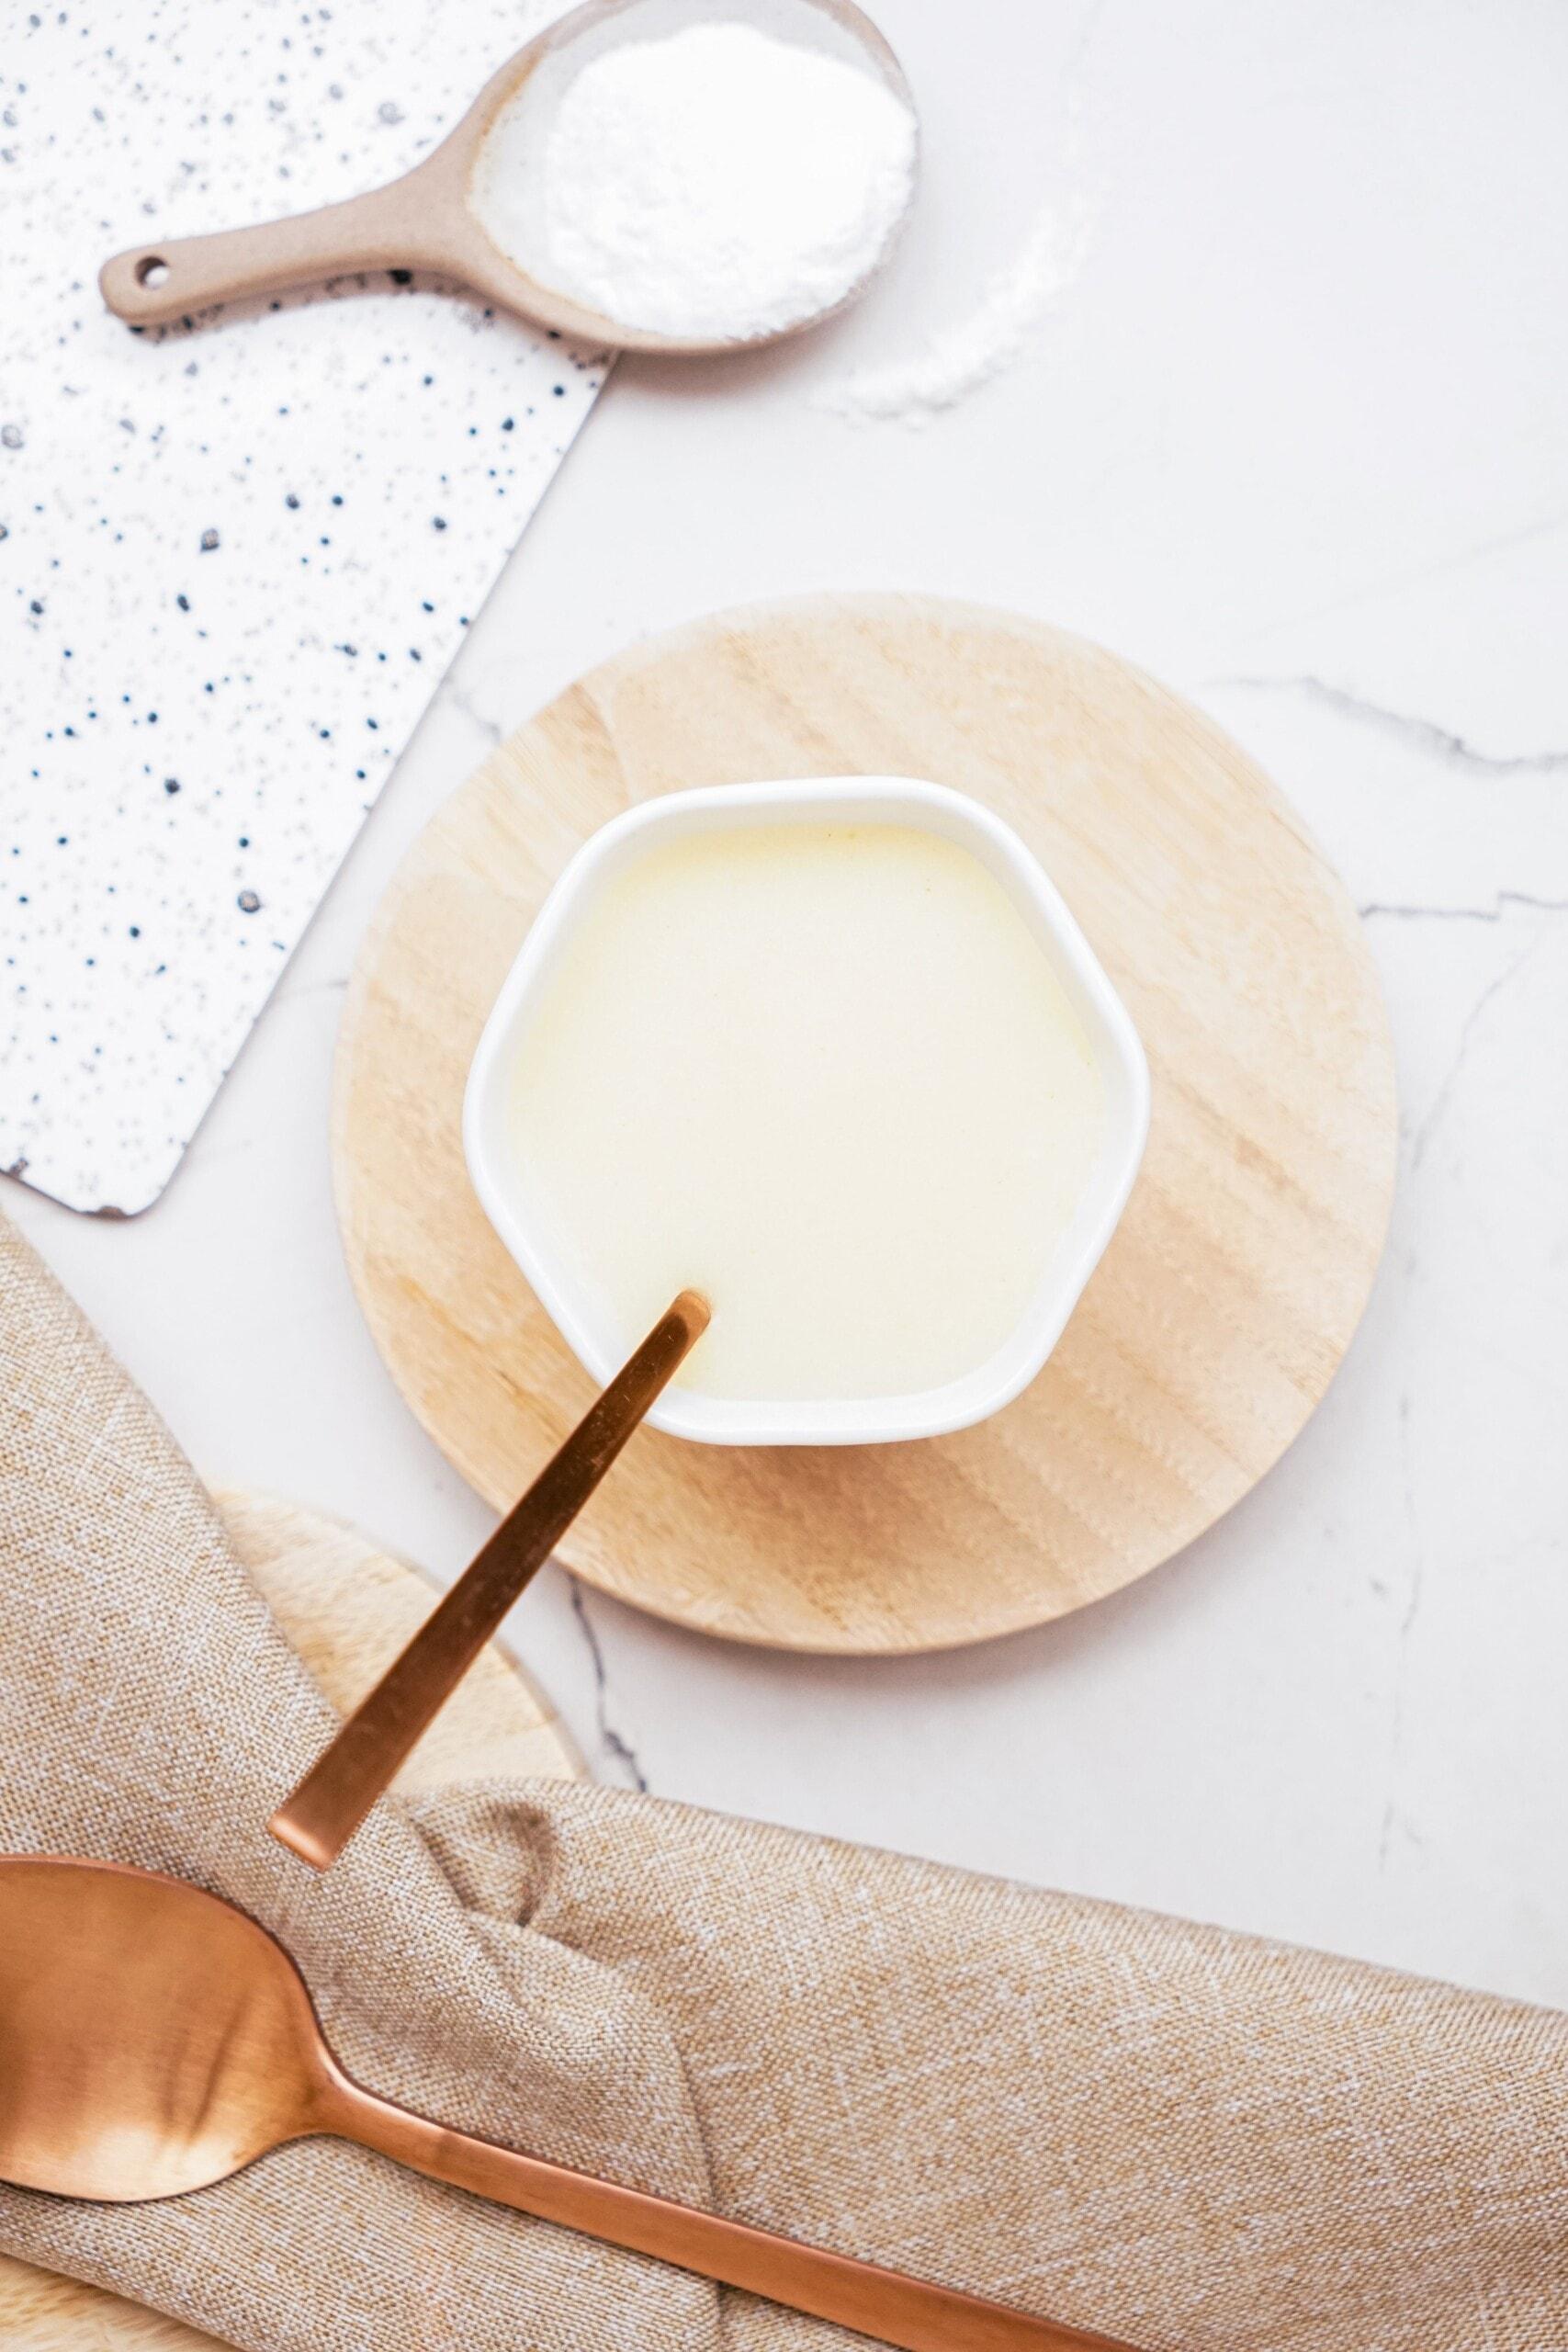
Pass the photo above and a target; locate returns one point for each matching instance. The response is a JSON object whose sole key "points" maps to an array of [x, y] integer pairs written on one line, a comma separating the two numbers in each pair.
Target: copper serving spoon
{"points": [[426, 220], [154, 2039]]}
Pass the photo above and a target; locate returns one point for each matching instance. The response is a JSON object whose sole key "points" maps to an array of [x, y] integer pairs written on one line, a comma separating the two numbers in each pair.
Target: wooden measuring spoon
{"points": [[424, 220], [360, 1763], [154, 2039]]}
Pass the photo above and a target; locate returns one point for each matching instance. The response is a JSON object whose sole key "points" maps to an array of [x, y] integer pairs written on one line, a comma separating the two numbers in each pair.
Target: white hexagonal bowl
{"points": [[686, 1412]]}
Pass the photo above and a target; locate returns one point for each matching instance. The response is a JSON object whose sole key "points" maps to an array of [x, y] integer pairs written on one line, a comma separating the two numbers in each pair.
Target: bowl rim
{"points": [[931, 1412]]}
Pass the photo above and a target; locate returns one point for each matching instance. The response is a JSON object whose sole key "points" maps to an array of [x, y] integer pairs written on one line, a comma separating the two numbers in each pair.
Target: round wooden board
{"points": [[347, 1609], [1232, 1287]]}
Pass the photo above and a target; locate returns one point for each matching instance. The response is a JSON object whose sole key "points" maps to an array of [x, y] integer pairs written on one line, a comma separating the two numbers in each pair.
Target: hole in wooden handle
{"points": [[151, 270]]}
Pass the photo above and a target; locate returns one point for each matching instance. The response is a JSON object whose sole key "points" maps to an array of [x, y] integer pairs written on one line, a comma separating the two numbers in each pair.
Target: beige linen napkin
{"points": [[1190, 2138]]}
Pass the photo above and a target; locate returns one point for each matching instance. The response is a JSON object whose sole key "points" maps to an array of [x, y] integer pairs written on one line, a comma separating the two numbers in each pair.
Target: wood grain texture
{"points": [[346, 1608], [1229, 1292]]}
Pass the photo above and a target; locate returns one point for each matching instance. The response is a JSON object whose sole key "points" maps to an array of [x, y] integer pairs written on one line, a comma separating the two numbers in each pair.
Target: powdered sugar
{"points": [[716, 183], [962, 358]]}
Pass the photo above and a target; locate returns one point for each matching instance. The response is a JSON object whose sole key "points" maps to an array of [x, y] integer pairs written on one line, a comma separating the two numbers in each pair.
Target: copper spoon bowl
{"points": [[154, 2039], [424, 220]]}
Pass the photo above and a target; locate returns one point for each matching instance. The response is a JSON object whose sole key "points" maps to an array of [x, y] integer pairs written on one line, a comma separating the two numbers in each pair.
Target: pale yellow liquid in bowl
{"points": [[825, 1073]]}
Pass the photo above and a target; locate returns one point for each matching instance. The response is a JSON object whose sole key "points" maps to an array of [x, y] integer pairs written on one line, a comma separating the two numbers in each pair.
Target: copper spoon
{"points": [[154, 2039], [360, 1763], [424, 220]]}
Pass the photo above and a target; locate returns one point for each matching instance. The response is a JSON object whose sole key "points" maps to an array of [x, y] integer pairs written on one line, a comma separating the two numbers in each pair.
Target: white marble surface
{"points": [[1295, 440]]}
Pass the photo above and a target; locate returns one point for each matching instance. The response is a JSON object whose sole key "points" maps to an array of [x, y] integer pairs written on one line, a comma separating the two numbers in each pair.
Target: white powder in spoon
{"points": [[716, 184]]}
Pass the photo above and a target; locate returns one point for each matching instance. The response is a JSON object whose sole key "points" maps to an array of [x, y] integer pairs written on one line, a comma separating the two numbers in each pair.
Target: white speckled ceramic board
{"points": [[235, 556]]}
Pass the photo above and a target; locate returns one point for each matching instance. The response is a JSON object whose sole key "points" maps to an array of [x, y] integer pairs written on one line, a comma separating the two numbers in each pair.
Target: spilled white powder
{"points": [[981, 343], [716, 184]]}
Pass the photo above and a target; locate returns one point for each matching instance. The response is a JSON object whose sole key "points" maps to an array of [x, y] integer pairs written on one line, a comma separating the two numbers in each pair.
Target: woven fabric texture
{"points": [[1196, 2141]]}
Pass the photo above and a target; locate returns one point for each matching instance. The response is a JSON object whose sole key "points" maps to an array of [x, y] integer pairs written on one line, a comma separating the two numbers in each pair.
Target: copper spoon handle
{"points": [[884, 2304], [358, 1765]]}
